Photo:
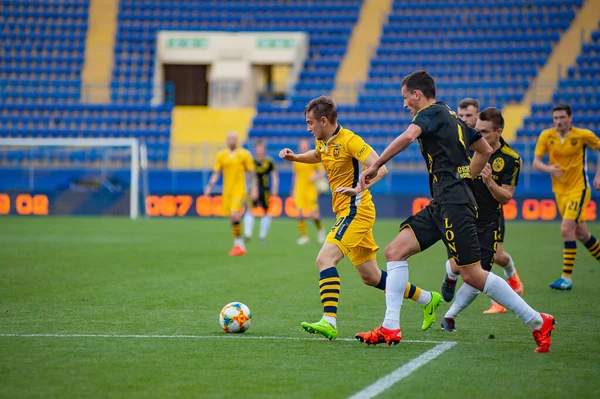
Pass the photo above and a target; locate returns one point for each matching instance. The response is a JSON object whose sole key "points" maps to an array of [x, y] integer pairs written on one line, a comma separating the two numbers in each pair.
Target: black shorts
{"points": [[488, 235], [455, 224], [263, 200], [501, 228]]}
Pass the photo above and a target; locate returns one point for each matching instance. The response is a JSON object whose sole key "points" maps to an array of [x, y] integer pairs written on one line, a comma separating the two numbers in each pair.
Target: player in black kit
{"points": [[468, 111], [268, 184], [451, 216], [493, 188]]}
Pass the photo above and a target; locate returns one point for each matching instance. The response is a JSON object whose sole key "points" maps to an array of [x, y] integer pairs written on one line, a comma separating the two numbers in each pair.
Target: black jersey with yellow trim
{"points": [[444, 141], [263, 170], [506, 165]]}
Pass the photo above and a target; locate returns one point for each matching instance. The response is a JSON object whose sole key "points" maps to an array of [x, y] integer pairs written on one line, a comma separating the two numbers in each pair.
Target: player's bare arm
{"points": [[503, 194], [275, 182], [399, 144], [211, 182], [482, 152], [553, 170], [597, 177], [311, 156], [251, 177], [381, 173]]}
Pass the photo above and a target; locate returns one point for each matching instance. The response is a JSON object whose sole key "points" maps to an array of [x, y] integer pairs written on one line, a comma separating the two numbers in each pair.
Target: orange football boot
{"points": [[380, 335], [542, 336], [237, 250], [495, 308], [516, 284]]}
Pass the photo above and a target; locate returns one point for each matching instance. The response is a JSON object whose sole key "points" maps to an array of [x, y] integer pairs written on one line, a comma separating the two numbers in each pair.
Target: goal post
{"points": [[39, 158]]}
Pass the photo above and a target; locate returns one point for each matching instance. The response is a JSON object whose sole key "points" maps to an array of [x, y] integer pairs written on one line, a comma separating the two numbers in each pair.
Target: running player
{"points": [[268, 184], [565, 145], [306, 195], [236, 164], [468, 109], [493, 188], [450, 216], [341, 151]]}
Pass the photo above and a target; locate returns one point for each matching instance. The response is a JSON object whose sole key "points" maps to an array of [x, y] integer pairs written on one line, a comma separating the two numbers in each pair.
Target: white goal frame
{"points": [[131, 143]]}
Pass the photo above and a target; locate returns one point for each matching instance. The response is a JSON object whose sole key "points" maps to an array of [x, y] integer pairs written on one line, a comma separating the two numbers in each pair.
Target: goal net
{"points": [[71, 176]]}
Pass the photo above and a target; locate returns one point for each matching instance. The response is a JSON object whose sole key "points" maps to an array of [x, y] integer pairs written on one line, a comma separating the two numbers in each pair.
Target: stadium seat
{"points": [[580, 89]]}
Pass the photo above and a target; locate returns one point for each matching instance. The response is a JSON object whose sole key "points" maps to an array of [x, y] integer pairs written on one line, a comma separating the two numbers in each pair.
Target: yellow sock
{"points": [[318, 224], [412, 291], [569, 253], [593, 245], [236, 229], [329, 288], [302, 227]]}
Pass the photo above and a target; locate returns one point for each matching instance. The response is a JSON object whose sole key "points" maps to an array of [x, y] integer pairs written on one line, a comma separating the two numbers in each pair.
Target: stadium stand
{"points": [[581, 89], [484, 51], [43, 45]]}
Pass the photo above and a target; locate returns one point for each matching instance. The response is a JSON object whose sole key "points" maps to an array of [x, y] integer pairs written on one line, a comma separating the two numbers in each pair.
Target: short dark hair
{"points": [[562, 107], [493, 115], [422, 81], [467, 102], [322, 107], [259, 142]]}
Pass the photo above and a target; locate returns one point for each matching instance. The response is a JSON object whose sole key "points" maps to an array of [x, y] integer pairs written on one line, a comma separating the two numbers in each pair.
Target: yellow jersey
{"points": [[234, 164], [341, 156], [303, 173], [568, 153]]}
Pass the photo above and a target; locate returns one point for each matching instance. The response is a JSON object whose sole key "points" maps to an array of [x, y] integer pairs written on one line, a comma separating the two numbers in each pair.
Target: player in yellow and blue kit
{"points": [[235, 163], [342, 152], [565, 146]]}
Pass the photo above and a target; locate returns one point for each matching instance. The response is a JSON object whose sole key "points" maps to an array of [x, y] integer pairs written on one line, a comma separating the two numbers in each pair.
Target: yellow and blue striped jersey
{"points": [[568, 153], [341, 156]]}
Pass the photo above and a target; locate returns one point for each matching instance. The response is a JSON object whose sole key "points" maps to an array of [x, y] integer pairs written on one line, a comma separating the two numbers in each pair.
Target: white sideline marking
{"points": [[228, 336], [402, 372]]}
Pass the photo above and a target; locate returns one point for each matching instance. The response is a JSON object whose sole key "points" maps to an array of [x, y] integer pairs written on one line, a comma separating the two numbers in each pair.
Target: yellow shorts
{"points": [[232, 202], [572, 206], [352, 233], [307, 200]]}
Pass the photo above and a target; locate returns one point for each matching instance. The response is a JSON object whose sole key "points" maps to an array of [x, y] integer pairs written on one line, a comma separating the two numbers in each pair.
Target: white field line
{"points": [[402, 372], [228, 336]]}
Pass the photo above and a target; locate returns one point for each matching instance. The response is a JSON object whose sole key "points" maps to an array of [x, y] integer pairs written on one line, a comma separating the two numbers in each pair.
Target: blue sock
{"points": [[381, 284], [329, 287]]}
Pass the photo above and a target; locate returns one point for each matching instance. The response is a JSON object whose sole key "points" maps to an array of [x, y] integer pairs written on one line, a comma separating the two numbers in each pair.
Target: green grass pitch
{"points": [[171, 277]]}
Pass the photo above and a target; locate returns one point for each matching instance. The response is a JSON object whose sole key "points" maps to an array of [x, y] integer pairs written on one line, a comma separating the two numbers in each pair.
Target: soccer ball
{"points": [[235, 317]]}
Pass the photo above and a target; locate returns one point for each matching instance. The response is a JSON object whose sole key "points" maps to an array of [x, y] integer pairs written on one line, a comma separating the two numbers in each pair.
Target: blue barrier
{"points": [[179, 193], [171, 181]]}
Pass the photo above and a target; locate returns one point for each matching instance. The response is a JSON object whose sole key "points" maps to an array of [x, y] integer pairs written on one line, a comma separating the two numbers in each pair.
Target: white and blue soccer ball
{"points": [[235, 317]]}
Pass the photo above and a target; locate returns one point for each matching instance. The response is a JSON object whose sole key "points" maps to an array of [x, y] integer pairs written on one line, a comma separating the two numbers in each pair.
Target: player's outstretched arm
{"points": [[311, 156], [399, 144], [482, 152], [211, 182], [381, 173], [504, 193], [597, 177]]}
